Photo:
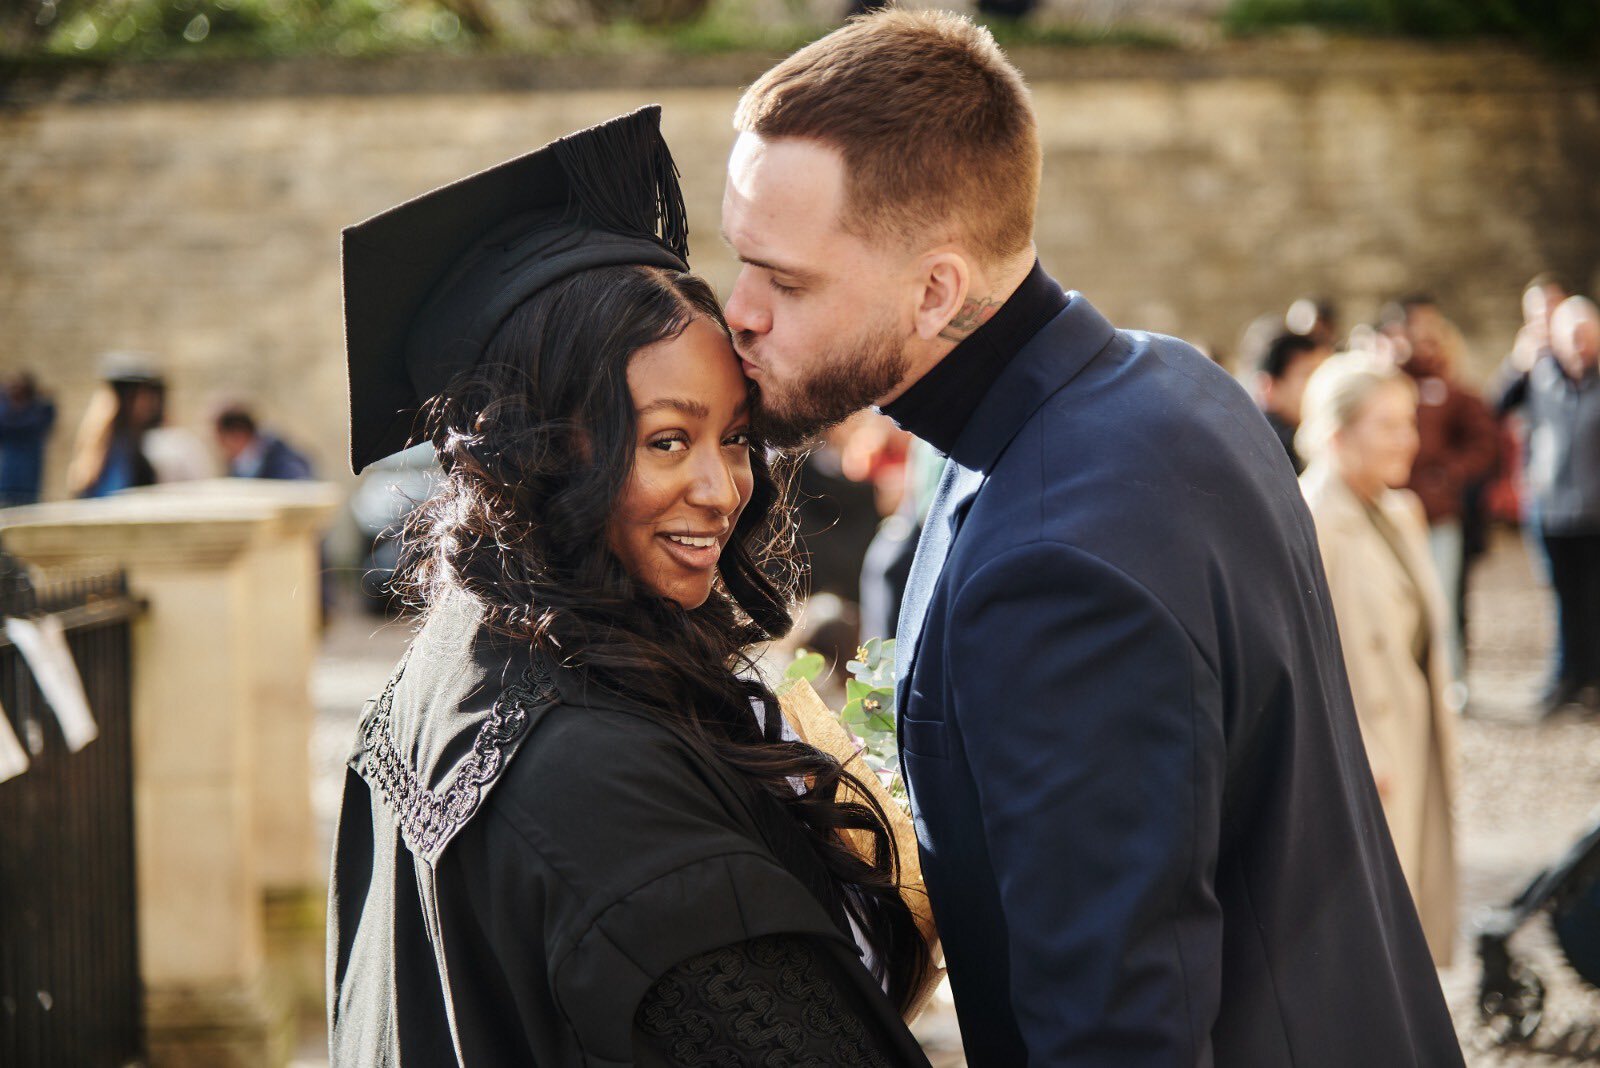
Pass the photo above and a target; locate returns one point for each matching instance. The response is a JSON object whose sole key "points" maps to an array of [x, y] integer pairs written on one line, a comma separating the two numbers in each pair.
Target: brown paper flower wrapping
{"points": [[819, 726]]}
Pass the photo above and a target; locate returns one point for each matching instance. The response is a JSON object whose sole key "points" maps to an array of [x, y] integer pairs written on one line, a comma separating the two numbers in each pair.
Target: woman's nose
{"points": [[714, 486]]}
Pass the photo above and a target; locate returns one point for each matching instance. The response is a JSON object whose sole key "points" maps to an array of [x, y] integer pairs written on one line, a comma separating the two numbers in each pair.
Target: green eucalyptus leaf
{"points": [[808, 666]]}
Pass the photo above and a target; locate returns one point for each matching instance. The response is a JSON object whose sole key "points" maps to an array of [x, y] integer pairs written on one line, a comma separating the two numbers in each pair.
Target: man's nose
{"points": [[746, 312]]}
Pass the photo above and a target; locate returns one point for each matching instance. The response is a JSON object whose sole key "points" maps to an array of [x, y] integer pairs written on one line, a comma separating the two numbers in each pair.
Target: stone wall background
{"points": [[194, 212]]}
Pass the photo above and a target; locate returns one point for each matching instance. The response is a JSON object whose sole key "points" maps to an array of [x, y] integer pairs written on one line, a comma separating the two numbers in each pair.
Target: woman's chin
{"points": [[690, 595]]}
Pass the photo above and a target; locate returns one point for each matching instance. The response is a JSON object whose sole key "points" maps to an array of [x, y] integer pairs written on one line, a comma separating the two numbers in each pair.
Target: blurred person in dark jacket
{"points": [[26, 419], [253, 453], [1557, 391], [1459, 444], [1281, 382]]}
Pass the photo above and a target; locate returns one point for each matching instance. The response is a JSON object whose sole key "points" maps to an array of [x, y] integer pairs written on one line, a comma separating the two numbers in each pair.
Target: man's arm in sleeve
{"points": [[1093, 728], [1510, 389]]}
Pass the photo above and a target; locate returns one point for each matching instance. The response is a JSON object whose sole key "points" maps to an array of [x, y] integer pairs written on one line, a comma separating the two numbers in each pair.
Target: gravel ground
{"points": [[1529, 786]]}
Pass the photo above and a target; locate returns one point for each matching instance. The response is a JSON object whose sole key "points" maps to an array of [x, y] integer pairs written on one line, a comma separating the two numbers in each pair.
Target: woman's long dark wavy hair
{"points": [[537, 445]]}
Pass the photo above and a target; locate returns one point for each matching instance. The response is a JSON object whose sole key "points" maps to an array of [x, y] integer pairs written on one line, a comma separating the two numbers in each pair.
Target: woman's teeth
{"points": [[698, 543]]}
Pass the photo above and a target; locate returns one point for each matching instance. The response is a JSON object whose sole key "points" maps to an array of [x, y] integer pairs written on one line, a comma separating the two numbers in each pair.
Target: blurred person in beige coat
{"points": [[1359, 433]]}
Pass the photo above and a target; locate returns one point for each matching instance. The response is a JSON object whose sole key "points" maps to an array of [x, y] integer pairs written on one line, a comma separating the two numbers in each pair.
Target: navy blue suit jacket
{"points": [[1146, 819]]}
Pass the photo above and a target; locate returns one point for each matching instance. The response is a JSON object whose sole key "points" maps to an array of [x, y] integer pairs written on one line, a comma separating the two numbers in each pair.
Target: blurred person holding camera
{"points": [[1360, 435], [1557, 391], [1540, 298]]}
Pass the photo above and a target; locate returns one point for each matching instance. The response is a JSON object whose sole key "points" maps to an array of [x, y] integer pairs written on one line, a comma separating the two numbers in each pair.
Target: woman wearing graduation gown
{"points": [[573, 831]]}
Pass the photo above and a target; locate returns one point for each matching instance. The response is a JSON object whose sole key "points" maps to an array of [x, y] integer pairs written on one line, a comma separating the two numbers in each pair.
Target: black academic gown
{"points": [[520, 858]]}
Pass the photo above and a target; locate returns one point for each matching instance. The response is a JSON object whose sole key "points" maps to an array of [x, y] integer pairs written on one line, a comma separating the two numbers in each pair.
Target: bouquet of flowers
{"points": [[862, 738]]}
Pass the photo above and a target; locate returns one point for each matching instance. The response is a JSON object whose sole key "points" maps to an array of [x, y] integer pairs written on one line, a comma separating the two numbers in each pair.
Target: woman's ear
{"points": [[946, 279]]}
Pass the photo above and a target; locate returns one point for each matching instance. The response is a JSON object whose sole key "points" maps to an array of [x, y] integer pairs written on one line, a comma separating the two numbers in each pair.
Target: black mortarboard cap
{"points": [[428, 283]]}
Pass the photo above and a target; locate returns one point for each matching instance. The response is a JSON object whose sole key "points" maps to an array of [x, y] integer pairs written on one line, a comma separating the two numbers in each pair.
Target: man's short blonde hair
{"points": [[935, 126]]}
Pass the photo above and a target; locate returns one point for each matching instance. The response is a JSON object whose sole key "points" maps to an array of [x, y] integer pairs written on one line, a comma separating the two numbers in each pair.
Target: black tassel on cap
{"points": [[623, 179]]}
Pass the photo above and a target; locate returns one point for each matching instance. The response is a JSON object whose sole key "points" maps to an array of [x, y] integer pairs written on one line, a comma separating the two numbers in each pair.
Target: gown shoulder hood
{"points": [[432, 746]]}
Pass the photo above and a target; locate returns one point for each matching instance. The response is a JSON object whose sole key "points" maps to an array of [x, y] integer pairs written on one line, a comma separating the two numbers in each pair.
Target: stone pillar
{"points": [[197, 561], [285, 621], [285, 616]]}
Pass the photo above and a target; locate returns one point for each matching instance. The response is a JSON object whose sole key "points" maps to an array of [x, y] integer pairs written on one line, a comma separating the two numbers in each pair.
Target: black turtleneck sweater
{"points": [[938, 405]]}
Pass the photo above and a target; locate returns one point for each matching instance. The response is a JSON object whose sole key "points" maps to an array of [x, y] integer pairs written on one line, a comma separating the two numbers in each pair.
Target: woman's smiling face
{"points": [[691, 474]]}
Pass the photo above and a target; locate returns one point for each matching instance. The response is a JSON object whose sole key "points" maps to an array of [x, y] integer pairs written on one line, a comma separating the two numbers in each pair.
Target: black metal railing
{"points": [[70, 992]]}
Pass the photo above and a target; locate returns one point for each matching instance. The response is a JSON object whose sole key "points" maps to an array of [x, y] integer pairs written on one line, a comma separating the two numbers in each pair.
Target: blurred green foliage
{"points": [[148, 29], [1566, 28], [152, 28], [116, 30]]}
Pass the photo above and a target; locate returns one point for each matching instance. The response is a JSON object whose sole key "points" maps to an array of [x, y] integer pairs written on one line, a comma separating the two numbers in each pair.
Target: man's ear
{"points": [[946, 280]]}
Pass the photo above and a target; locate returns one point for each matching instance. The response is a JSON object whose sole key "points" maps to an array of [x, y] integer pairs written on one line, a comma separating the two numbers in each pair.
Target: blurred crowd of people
{"points": [[124, 439], [1526, 450], [1404, 464]]}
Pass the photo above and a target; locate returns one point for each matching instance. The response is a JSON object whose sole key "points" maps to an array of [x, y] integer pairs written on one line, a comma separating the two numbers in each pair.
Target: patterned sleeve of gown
{"points": [[771, 1000]]}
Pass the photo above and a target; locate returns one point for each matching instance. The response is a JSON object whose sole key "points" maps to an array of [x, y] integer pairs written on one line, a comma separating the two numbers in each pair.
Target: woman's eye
{"points": [[740, 439], [669, 444]]}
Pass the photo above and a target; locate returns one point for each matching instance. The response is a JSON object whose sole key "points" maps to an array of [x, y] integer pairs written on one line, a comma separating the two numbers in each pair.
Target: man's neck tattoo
{"points": [[973, 314]]}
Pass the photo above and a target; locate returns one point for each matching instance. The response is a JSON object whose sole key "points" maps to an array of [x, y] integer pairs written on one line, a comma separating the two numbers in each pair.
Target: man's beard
{"points": [[836, 384]]}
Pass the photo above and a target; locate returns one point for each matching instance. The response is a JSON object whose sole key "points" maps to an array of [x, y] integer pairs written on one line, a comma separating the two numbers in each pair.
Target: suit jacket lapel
{"points": [[956, 487], [1046, 363]]}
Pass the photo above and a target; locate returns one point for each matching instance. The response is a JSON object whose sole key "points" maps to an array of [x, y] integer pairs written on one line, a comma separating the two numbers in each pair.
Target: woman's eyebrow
{"points": [[678, 404]]}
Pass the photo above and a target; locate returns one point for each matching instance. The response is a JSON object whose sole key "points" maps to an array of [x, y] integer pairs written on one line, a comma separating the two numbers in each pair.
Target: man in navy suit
{"points": [[1146, 819]]}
